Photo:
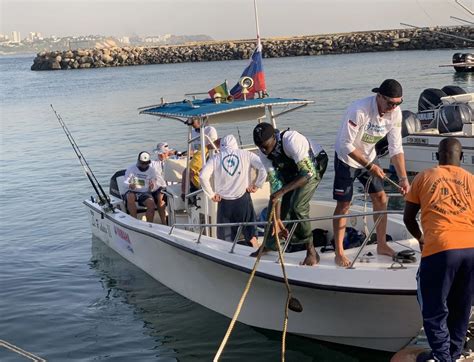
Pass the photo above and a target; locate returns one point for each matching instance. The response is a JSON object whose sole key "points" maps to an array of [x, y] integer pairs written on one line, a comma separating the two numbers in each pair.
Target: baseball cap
{"points": [[389, 88], [161, 148], [144, 157], [263, 132]]}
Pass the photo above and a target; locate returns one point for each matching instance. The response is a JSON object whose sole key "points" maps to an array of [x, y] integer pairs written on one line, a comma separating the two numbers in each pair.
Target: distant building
{"points": [[4, 37], [16, 37], [32, 36], [125, 40]]}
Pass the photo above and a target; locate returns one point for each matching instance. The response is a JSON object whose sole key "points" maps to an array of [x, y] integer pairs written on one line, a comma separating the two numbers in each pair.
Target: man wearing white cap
{"points": [[233, 185], [141, 182]]}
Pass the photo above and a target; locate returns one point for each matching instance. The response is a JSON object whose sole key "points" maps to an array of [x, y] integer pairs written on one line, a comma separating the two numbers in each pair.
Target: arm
{"points": [[205, 178], [257, 164], [399, 162], [409, 218]]}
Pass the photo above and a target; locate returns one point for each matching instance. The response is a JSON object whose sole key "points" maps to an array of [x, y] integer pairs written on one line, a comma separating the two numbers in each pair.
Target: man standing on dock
{"points": [[445, 195], [367, 121]]}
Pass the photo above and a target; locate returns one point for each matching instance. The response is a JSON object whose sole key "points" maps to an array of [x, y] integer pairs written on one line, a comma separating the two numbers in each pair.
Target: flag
{"points": [[255, 71], [222, 89]]}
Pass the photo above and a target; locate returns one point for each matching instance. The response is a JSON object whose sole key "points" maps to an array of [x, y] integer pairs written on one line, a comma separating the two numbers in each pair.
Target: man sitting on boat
{"points": [[367, 121], [196, 163], [163, 152], [445, 195], [295, 166], [231, 169], [141, 182]]}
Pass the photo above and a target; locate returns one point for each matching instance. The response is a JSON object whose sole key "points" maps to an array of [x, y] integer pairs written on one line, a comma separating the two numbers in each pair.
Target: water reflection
{"points": [[183, 330]]}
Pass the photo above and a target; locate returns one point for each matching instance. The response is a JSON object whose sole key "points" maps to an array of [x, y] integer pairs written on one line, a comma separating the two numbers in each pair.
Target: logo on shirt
{"points": [[230, 164]]}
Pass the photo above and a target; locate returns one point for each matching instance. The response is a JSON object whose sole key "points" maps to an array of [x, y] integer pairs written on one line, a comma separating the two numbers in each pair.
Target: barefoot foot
{"points": [[384, 249], [264, 251], [342, 260], [311, 259], [254, 242]]}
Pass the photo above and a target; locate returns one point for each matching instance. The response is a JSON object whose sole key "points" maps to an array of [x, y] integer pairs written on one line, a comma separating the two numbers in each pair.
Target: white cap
{"points": [[161, 148], [144, 157]]}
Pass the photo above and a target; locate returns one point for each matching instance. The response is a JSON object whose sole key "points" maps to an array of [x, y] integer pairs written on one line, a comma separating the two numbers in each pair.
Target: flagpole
{"points": [[256, 22]]}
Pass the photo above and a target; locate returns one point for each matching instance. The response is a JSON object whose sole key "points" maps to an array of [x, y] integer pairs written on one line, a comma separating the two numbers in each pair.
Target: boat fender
{"points": [[405, 256]]}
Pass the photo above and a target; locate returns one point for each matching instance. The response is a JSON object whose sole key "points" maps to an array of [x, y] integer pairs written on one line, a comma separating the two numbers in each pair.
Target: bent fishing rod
{"points": [[104, 199]]}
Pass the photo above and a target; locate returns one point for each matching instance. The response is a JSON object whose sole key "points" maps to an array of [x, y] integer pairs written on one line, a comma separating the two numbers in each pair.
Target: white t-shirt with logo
{"points": [[158, 166], [141, 178], [362, 127]]}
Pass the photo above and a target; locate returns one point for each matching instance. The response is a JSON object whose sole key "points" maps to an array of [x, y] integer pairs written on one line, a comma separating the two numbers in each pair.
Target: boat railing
{"points": [[294, 224]]}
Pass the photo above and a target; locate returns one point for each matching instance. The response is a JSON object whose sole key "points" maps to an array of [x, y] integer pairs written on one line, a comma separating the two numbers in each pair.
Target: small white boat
{"points": [[372, 304], [454, 118]]}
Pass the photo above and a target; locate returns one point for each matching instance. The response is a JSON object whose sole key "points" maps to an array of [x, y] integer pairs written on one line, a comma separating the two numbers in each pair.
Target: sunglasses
{"points": [[390, 103]]}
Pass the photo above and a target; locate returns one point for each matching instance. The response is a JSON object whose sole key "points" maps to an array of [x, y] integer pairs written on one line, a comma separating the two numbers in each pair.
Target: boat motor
{"points": [[451, 117]]}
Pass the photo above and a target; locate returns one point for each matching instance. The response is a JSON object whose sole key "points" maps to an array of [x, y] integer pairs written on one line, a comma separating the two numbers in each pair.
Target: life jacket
{"points": [[284, 165]]}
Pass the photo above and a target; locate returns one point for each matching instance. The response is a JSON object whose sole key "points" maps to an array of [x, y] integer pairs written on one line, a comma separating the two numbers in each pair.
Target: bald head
{"points": [[450, 152]]}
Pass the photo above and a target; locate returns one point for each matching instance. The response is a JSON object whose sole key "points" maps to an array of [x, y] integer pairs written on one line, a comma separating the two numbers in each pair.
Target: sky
{"points": [[222, 19]]}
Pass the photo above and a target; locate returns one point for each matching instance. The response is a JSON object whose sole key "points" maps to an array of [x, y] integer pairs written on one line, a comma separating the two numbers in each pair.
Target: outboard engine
{"points": [[463, 58], [451, 117], [430, 99], [410, 124], [453, 90]]}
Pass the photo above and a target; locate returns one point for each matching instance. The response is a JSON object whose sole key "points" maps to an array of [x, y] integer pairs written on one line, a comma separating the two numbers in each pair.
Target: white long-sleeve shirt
{"points": [[231, 170], [362, 127], [158, 166]]}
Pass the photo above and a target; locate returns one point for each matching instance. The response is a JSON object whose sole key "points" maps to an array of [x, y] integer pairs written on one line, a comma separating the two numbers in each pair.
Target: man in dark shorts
{"points": [[141, 182], [367, 121]]}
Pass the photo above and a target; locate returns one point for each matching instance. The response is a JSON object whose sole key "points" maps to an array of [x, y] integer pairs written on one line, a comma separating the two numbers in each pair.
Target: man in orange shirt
{"points": [[446, 275]]}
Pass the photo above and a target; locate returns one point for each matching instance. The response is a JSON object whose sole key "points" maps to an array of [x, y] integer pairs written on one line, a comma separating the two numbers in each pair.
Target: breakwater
{"points": [[357, 42]]}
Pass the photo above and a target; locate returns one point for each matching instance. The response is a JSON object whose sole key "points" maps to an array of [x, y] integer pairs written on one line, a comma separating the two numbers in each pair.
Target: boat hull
{"points": [[383, 321], [420, 152]]}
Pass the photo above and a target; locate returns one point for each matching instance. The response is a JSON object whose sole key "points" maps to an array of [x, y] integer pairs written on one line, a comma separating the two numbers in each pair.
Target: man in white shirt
{"points": [[141, 182], [163, 152], [231, 169], [367, 121], [295, 166]]}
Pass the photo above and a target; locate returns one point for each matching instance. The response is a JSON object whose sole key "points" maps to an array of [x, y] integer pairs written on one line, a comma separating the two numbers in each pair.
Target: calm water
{"points": [[64, 296]]}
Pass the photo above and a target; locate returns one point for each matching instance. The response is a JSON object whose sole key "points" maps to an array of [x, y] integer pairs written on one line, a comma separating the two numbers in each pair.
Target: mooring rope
{"points": [[271, 218], [246, 290]]}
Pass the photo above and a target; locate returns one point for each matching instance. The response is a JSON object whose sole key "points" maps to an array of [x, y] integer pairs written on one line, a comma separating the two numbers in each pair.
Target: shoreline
{"points": [[308, 45]]}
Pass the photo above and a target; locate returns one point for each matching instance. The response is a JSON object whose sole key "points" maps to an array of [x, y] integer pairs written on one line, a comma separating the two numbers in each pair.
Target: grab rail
{"points": [[295, 223]]}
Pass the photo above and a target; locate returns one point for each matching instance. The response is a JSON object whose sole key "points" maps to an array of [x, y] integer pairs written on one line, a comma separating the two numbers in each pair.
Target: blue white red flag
{"points": [[255, 71]]}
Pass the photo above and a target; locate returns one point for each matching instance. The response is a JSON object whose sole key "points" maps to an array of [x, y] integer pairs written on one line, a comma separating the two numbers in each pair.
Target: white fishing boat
{"points": [[453, 118], [372, 304]]}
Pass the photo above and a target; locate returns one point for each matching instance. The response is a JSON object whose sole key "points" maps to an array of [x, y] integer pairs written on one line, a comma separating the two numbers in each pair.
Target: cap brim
{"points": [[376, 90]]}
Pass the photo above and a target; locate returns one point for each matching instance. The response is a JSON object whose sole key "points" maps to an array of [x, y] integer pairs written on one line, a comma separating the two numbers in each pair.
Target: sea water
{"points": [[64, 296]]}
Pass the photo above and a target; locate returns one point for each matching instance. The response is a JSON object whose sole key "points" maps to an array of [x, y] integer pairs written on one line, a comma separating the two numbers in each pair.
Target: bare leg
{"points": [[379, 201], [312, 257], [161, 206], [150, 209], [339, 229], [132, 208]]}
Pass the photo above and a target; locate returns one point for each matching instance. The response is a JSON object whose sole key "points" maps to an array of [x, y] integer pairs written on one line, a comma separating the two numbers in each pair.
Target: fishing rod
{"points": [[104, 199]]}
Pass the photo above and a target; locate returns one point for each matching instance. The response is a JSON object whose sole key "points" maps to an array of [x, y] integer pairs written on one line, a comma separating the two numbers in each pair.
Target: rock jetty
{"points": [[358, 42]]}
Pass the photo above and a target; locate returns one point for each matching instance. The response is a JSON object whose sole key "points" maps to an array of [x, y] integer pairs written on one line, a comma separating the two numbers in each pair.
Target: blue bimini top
{"points": [[238, 110]]}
